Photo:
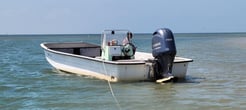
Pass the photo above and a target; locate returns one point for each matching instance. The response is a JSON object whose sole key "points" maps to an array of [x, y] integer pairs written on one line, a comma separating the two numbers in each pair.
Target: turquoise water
{"points": [[215, 80]]}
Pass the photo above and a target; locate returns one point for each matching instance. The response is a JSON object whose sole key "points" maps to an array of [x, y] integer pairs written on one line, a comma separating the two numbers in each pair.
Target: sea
{"points": [[216, 79]]}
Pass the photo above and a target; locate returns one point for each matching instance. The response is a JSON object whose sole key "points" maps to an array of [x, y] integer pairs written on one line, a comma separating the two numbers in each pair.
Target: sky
{"points": [[139, 16]]}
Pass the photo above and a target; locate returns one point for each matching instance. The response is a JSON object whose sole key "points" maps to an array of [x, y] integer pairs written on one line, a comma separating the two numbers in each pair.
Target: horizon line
{"points": [[100, 33]]}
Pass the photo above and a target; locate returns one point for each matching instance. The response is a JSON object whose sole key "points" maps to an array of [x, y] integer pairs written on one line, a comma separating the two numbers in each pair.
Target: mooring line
{"points": [[110, 87]]}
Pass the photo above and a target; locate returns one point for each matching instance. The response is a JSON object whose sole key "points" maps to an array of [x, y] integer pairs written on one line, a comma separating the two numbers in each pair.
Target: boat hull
{"points": [[98, 69]]}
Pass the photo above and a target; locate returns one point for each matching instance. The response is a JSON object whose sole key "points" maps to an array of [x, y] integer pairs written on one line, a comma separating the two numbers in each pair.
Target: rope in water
{"points": [[110, 87]]}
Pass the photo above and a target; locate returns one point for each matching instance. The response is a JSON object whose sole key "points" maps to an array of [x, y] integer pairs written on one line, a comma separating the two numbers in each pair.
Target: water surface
{"points": [[215, 80]]}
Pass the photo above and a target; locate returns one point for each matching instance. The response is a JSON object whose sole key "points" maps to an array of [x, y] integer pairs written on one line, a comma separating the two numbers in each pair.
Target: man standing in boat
{"points": [[127, 39], [128, 48]]}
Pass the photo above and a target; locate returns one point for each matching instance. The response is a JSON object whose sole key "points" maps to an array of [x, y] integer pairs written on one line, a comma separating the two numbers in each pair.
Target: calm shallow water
{"points": [[215, 80]]}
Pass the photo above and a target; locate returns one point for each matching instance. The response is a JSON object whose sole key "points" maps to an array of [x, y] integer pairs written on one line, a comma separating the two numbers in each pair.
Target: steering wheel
{"points": [[129, 49]]}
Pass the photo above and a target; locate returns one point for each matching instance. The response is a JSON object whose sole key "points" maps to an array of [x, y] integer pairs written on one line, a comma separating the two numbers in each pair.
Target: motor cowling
{"points": [[164, 51]]}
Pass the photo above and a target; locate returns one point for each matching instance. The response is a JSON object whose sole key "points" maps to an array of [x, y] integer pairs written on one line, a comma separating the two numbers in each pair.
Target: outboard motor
{"points": [[164, 51]]}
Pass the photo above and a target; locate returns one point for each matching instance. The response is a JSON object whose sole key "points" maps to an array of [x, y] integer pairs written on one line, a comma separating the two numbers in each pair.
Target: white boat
{"points": [[114, 61]]}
